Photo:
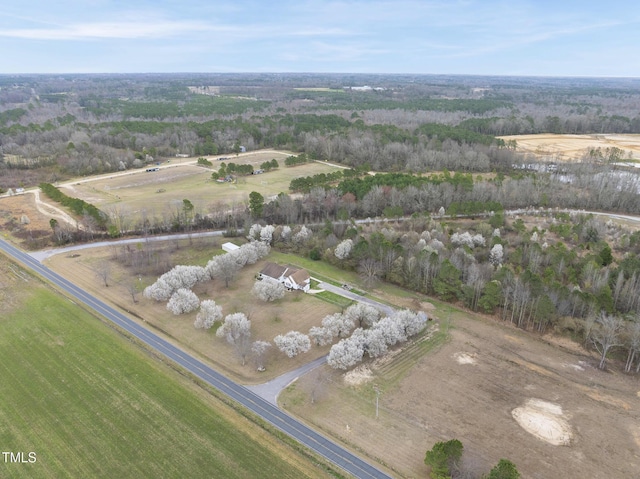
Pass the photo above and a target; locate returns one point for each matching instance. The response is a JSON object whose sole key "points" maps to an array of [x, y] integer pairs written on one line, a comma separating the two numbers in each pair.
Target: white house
{"points": [[299, 279], [292, 278]]}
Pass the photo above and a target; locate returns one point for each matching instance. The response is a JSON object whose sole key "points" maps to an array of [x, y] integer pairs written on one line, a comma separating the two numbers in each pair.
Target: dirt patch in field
{"points": [[358, 376], [465, 358], [545, 421]]}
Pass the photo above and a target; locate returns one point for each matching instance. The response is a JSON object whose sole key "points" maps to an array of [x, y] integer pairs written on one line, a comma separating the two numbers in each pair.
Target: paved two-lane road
{"points": [[305, 435]]}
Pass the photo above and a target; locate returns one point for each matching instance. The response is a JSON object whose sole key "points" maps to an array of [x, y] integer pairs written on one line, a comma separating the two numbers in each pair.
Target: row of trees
{"points": [[445, 462], [76, 205]]}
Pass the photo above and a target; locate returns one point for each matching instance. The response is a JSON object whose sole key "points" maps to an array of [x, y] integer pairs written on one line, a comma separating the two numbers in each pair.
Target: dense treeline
{"points": [[307, 182], [403, 123], [76, 205]]}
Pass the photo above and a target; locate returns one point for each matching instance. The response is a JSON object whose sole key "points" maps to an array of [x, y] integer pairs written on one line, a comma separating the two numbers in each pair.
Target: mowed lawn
{"points": [[92, 405]]}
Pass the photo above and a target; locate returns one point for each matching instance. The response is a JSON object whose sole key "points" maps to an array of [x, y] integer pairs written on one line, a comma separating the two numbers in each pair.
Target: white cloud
{"points": [[110, 30]]}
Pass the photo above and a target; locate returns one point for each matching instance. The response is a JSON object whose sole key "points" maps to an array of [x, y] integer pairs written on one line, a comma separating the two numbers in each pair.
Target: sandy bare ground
{"points": [[503, 392], [572, 147]]}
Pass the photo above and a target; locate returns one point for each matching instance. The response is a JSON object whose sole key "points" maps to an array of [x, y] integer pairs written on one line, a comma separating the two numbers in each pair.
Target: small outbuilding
{"points": [[229, 247]]}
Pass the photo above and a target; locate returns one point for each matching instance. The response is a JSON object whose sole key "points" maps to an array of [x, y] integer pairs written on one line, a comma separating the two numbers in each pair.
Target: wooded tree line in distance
{"points": [[52, 127]]}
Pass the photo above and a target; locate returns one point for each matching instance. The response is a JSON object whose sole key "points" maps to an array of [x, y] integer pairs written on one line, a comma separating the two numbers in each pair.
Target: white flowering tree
{"points": [[345, 354], [362, 314], [246, 254], [375, 340], [303, 235], [436, 245], [376, 345], [343, 249], [249, 253], [411, 322], [338, 324], [391, 330], [181, 276], [292, 343], [371, 341], [462, 239], [209, 313], [320, 336], [236, 330], [267, 290], [496, 255], [478, 240], [266, 234], [183, 301], [158, 291], [254, 232], [286, 233]]}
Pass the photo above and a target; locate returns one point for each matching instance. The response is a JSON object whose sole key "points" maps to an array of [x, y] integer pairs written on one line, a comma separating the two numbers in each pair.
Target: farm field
{"points": [[472, 387], [554, 147], [88, 403], [296, 311], [162, 191]]}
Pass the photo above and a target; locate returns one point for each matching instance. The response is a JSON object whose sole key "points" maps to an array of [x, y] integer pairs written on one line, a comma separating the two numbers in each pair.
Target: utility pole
{"points": [[377, 390]]}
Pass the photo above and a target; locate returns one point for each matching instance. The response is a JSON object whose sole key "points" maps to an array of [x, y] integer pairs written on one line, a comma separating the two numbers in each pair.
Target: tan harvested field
{"points": [[296, 311], [479, 387], [553, 147], [162, 191]]}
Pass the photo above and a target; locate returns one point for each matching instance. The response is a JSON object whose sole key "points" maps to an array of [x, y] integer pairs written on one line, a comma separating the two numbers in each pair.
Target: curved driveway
{"points": [[305, 435]]}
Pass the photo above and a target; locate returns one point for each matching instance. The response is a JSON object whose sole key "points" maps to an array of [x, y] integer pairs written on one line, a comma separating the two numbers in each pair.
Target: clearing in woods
{"points": [[89, 403]]}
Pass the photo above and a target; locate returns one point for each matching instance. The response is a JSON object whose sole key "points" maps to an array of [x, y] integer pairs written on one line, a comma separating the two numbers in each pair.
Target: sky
{"points": [[482, 37]]}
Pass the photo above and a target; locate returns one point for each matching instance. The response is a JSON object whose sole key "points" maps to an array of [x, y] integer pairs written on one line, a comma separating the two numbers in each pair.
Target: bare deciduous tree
{"points": [[224, 267], [103, 271], [259, 351], [370, 271], [606, 335], [236, 330], [633, 345]]}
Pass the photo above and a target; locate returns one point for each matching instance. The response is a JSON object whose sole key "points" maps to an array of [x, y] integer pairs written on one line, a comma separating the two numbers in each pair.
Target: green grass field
{"points": [[162, 192], [90, 404]]}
